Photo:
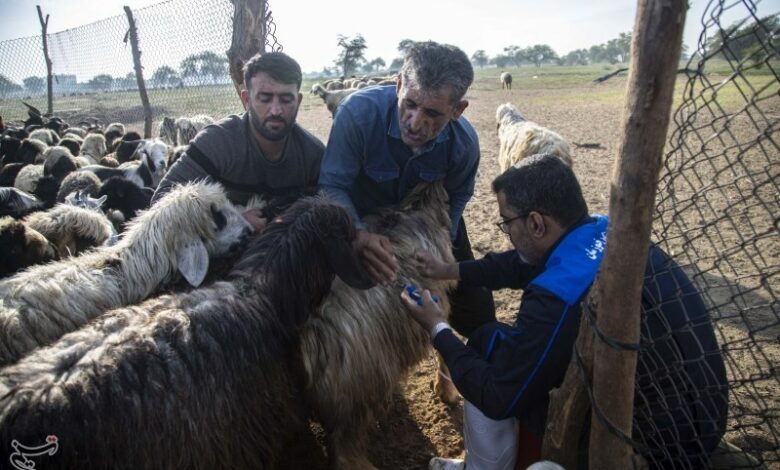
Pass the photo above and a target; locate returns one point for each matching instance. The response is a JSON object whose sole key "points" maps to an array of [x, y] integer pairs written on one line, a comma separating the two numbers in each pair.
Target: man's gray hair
{"points": [[432, 66]]}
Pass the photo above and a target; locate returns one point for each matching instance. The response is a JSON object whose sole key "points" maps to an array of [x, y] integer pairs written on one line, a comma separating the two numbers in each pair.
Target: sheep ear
{"points": [[193, 262], [344, 261]]}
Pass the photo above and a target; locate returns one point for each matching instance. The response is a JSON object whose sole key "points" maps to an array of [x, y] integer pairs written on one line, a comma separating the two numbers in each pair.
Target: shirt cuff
{"points": [[438, 328]]}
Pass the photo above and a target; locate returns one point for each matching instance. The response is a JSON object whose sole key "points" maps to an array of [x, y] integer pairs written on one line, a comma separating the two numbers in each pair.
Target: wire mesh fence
{"points": [[185, 69], [718, 215]]}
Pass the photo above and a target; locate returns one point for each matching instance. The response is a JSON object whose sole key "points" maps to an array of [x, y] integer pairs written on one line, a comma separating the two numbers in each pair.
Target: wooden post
{"points": [[139, 74], [249, 33], [655, 52], [49, 91]]}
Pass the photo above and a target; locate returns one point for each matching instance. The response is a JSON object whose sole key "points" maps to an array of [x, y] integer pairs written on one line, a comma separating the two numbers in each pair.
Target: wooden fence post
{"points": [[249, 33], [655, 52], [139, 75], [44, 27]]}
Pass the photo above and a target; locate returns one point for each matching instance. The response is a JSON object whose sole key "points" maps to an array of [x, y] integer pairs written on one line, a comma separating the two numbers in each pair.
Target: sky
{"points": [[308, 31]]}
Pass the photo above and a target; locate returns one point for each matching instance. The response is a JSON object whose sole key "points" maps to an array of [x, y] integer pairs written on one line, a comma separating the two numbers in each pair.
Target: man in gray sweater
{"points": [[261, 152]]}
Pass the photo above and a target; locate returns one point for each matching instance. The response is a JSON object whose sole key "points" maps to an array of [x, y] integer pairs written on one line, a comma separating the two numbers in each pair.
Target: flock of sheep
{"points": [[167, 336]]}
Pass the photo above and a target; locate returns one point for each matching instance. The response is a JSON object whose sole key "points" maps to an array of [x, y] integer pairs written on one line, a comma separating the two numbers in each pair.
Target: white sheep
{"points": [[506, 80], [47, 136], [188, 127], [180, 233], [520, 138], [333, 99], [94, 147], [27, 178], [71, 229], [360, 344]]}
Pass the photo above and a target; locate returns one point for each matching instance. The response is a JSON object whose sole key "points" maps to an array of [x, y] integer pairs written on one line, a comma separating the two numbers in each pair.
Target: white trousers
{"points": [[490, 444]]}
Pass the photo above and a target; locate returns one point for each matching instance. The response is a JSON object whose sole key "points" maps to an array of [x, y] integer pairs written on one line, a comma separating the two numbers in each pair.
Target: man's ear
{"points": [[537, 225], [245, 98], [459, 108], [300, 100]]}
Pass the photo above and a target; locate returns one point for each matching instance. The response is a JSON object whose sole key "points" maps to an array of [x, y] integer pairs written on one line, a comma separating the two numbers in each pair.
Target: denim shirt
{"points": [[366, 165]]}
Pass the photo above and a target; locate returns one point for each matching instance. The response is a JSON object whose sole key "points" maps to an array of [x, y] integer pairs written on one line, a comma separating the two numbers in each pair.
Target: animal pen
{"points": [[711, 194]]}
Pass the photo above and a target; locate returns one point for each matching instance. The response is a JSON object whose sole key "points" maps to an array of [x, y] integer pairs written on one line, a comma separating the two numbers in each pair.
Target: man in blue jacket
{"points": [[506, 372], [386, 140]]}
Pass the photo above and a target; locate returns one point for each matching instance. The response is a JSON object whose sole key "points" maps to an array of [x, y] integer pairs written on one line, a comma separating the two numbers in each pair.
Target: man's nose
{"points": [[415, 121], [276, 108]]}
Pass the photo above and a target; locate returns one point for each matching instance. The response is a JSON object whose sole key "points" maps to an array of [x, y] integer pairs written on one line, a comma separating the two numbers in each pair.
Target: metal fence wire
{"points": [[182, 44], [718, 215]]}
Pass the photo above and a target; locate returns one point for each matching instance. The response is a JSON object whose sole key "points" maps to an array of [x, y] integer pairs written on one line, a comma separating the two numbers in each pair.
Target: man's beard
{"points": [[273, 135]]}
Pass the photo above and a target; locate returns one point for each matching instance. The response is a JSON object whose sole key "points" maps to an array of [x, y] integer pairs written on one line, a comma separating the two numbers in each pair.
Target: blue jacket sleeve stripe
{"points": [[538, 365]]}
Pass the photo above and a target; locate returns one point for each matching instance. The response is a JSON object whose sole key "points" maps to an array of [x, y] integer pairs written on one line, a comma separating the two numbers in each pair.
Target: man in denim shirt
{"points": [[385, 140]]}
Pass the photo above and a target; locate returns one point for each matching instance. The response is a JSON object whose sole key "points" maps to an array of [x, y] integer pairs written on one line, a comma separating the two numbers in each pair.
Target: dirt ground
{"points": [[418, 425]]}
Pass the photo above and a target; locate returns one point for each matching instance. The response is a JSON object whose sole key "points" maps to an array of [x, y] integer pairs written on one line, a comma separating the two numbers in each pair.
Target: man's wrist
{"points": [[438, 328]]}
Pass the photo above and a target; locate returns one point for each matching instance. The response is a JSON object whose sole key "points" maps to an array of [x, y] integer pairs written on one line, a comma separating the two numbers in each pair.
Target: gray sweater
{"points": [[226, 152]]}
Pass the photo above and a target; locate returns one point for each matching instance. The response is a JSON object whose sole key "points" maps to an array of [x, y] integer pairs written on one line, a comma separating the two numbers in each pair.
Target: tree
{"points": [[164, 76], [597, 54], [101, 82], [480, 58], [576, 57], [738, 42], [128, 82], [539, 54], [397, 63], [204, 63], [374, 66], [351, 55], [501, 61], [7, 86], [34, 85], [514, 55]]}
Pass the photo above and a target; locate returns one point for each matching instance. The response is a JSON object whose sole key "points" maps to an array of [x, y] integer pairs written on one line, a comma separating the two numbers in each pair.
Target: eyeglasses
{"points": [[504, 224]]}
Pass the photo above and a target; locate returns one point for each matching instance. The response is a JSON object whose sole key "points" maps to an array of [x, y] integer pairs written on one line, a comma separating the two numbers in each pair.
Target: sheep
{"points": [[9, 172], [75, 131], [188, 127], [109, 161], [47, 136], [125, 197], [506, 80], [27, 178], [20, 247], [166, 131], [29, 151], [156, 154], [138, 172], [114, 131], [94, 147], [9, 147], [79, 181], [198, 380], [71, 229], [520, 138], [14, 202], [72, 144], [358, 345], [180, 234], [58, 162], [333, 99]]}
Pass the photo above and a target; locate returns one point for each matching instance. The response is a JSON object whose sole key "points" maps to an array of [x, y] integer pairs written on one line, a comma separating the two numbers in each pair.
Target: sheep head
{"points": [[507, 113]]}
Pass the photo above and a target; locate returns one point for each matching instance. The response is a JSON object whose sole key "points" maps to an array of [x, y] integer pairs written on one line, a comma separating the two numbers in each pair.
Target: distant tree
{"points": [[514, 55], [374, 66], [576, 57], [480, 58], [539, 54], [128, 82], [597, 54], [204, 63], [501, 61], [740, 41], [165, 76], [352, 53], [397, 63], [34, 85], [7, 86], [101, 82]]}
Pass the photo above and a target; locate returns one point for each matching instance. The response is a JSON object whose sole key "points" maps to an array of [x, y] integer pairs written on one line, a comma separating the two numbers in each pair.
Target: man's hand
{"points": [[256, 220], [435, 268], [428, 314], [378, 258]]}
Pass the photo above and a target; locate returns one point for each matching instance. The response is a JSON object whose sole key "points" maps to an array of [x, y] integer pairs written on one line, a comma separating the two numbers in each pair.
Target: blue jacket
{"points": [[509, 370], [366, 164]]}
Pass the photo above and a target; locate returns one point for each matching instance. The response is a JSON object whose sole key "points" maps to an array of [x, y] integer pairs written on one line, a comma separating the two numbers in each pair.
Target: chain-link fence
{"points": [[185, 68], [718, 215]]}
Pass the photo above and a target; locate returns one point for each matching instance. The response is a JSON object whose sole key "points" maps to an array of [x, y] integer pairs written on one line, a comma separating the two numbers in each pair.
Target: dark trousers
{"points": [[471, 306]]}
